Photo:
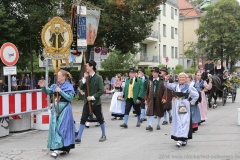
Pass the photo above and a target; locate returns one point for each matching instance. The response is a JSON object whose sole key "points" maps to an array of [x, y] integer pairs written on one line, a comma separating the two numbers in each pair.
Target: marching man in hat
{"points": [[133, 94], [154, 99], [96, 90], [141, 75], [167, 105]]}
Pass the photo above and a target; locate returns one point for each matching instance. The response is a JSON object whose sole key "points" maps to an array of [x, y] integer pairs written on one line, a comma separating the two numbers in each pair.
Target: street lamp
{"points": [[197, 6]]}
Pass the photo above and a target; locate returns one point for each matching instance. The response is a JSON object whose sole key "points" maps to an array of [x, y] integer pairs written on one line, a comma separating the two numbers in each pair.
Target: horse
{"points": [[216, 88]]}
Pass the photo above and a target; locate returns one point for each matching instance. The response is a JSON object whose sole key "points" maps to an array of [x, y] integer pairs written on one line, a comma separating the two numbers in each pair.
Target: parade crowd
{"points": [[177, 99]]}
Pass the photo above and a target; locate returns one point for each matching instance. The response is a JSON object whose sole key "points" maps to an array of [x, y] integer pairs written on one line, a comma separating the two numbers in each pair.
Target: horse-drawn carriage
{"points": [[229, 86], [223, 86]]}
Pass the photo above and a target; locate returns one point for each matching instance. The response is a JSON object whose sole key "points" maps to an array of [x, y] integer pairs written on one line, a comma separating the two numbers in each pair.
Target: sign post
{"points": [[9, 55]]}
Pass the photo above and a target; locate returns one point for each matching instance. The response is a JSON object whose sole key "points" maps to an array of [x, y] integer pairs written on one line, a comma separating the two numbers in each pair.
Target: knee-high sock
{"points": [[143, 114], [138, 118], [75, 128], [103, 129], [169, 113], [158, 120], [150, 119], [126, 118], [81, 128], [165, 116]]}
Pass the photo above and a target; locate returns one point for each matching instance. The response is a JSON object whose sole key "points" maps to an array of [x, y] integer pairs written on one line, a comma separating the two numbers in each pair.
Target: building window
{"points": [[164, 10], [164, 51], [176, 12], [172, 52], [176, 31], [159, 17], [176, 52], [172, 12], [159, 36], [164, 30], [143, 51], [159, 48], [172, 32]]}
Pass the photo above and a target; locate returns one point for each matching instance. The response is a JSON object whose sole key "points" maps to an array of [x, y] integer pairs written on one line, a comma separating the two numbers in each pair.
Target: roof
{"points": [[185, 7]]}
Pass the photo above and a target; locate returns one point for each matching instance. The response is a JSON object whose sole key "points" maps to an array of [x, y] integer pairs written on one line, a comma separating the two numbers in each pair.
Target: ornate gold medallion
{"points": [[57, 37]]}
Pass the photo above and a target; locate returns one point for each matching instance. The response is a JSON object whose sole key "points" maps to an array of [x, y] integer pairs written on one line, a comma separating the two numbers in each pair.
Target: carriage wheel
{"points": [[234, 92], [224, 96]]}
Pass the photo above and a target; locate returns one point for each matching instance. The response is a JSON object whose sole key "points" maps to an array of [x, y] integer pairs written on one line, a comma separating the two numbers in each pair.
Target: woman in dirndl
{"points": [[181, 129], [117, 106], [196, 117], [203, 87], [61, 136]]}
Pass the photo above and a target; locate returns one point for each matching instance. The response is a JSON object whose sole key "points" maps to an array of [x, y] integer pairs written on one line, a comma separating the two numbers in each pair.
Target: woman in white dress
{"points": [[181, 113], [117, 106]]}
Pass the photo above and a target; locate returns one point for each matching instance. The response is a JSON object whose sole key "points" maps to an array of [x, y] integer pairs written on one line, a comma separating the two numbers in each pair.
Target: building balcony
{"points": [[148, 58], [153, 37]]}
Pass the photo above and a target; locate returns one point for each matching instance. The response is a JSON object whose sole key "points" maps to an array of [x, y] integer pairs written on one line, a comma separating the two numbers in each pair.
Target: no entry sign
{"points": [[9, 54]]}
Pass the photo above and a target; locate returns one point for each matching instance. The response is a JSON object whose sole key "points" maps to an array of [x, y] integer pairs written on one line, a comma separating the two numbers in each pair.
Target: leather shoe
{"points": [[124, 125], [138, 124], [77, 141], [164, 123], [149, 128], [102, 139], [158, 127]]}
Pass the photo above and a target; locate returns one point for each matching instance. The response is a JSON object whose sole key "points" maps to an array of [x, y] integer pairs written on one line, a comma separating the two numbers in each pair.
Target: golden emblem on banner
{"points": [[57, 37]]}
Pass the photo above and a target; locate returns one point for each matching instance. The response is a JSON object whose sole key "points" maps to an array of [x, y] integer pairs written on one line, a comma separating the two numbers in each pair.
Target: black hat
{"points": [[66, 69], [164, 69], [132, 70], [92, 62], [156, 69], [142, 70]]}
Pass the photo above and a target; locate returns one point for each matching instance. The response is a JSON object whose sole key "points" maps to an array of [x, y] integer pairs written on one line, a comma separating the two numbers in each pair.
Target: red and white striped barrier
{"points": [[15, 103], [41, 120]]}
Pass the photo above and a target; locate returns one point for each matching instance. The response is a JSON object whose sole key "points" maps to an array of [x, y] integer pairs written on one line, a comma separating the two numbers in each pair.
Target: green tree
{"points": [[192, 53], [124, 23], [117, 60], [29, 16], [219, 30]]}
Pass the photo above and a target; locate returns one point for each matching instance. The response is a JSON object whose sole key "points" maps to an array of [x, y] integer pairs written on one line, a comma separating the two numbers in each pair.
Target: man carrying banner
{"points": [[96, 90]]}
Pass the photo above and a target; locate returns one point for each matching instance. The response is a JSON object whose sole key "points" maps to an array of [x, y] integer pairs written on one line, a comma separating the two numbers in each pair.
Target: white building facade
{"points": [[163, 43]]}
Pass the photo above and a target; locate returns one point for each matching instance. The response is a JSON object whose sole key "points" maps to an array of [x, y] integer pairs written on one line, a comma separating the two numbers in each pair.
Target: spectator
{"points": [[172, 72], [22, 83], [113, 80], [14, 83], [2, 86], [107, 86], [50, 81], [28, 82], [35, 81]]}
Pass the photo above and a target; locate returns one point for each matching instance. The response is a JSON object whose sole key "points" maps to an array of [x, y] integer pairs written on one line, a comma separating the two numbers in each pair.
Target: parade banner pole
{"points": [[87, 84], [57, 100]]}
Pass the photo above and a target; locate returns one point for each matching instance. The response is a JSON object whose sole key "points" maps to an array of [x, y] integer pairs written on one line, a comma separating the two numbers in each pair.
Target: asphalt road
{"points": [[217, 139]]}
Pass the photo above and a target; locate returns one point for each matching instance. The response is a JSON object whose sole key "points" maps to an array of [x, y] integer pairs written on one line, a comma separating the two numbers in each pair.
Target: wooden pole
{"points": [[57, 101], [87, 85]]}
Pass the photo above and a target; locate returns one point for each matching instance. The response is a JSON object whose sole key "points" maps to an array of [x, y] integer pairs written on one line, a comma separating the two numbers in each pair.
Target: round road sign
{"points": [[167, 59], [9, 54]]}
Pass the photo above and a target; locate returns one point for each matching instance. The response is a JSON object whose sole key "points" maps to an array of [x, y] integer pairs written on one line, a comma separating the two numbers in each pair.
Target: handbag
{"points": [[182, 109], [119, 98]]}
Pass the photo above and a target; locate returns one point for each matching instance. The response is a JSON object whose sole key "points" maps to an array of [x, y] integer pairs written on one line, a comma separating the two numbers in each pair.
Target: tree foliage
{"points": [[124, 23], [192, 52], [219, 31], [117, 60]]}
